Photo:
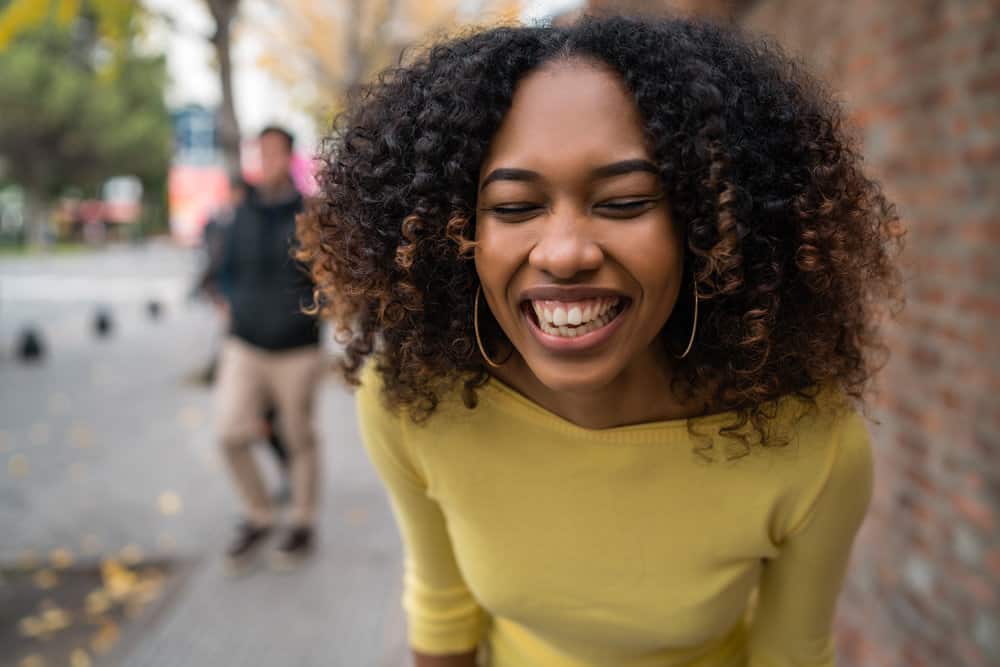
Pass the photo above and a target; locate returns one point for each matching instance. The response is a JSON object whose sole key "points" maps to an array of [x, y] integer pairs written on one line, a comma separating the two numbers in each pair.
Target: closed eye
{"points": [[515, 212], [514, 209], [624, 208]]}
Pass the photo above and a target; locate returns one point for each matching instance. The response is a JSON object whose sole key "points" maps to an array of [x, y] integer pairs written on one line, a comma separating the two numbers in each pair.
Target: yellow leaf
{"points": [[55, 619], [79, 658], [105, 638], [97, 602], [30, 626], [33, 660], [131, 554], [60, 558], [17, 466], [45, 579], [169, 503]]}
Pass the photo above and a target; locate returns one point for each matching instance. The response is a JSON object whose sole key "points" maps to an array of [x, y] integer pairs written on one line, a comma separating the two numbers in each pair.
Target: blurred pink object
{"points": [[194, 194], [304, 174]]}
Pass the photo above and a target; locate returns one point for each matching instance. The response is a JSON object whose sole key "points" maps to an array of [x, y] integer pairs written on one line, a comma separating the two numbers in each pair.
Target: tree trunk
{"points": [[224, 11], [36, 219]]}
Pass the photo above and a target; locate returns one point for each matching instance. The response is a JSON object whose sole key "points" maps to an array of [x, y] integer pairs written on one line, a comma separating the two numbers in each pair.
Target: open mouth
{"points": [[573, 319]]}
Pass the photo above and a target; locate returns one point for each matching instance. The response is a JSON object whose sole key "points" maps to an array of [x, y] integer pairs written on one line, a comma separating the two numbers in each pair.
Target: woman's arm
{"points": [[443, 618], [799, 588], [453, 660]]}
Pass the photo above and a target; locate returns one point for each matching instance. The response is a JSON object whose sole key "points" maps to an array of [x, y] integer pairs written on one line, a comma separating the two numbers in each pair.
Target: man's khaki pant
{"points": [[248, 377]]}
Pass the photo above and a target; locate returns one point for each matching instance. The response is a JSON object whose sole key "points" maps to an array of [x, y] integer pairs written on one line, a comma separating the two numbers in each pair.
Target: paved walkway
{"points": [[108, 445]]}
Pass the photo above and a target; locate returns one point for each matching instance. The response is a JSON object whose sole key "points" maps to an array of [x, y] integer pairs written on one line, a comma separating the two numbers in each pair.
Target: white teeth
{"points": [[559, 316], [576, 320]]}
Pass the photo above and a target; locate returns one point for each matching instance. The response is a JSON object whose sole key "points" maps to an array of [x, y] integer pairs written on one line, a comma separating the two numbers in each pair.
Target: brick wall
{"points": [[921, 80]]}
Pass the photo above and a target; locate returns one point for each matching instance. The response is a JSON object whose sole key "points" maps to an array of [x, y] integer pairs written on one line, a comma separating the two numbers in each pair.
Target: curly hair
{"points": [[790, 244]]}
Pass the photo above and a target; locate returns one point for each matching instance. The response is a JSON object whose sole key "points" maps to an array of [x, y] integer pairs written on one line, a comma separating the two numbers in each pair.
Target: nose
{"points": [[566, 247]]}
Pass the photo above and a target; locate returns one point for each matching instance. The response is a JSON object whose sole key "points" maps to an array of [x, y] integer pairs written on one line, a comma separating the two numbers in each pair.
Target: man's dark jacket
{"points": [[265, 287]]}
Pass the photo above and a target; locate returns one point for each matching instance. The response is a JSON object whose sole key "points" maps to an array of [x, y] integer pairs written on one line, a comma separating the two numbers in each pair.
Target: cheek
{"points": [[499, 253], [655, 255]]}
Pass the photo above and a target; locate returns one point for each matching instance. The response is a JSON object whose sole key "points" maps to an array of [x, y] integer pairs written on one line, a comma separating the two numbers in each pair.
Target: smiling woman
{"points": [[619, 282]]}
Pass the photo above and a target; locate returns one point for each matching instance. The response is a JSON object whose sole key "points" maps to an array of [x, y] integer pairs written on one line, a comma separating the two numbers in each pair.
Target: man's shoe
{"points": [[296, 545], [243, 550]]}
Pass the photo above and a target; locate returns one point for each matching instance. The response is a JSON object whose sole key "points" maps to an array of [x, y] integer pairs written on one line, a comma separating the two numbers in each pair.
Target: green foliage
{"points": [[80, 106]]}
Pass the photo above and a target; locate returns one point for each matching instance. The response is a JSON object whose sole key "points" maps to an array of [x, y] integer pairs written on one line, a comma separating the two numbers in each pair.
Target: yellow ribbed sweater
{"points": [[551, 545]]}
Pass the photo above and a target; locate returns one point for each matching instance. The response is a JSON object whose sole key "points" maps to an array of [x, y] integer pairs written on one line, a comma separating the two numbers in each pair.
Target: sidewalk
{"points": [[341, 609], [108, 446]]}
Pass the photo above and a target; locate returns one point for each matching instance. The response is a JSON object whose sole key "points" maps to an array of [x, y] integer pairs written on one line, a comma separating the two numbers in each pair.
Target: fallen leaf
{"points": [[131, 554], [79, 658], [169, 503], [45, 579], [17, 466], [55, 619], [97, 602], [30, 626], [61, 558], [118, 579], [33, 660], [80, 436], [105, 638]]}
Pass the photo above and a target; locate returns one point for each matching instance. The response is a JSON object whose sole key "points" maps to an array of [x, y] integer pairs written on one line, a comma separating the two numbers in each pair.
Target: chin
{"points": [[577, 378]]}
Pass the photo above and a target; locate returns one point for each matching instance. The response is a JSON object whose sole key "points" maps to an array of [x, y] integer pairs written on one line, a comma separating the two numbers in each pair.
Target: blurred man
{"points": [[271, 355], [209, 284]]}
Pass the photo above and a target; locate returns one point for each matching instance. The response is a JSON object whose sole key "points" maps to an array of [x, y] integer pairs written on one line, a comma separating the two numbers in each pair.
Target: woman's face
{"points": [[577, 255]]}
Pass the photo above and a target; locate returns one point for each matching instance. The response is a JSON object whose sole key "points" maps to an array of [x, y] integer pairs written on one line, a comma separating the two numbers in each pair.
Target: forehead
{"points": [[566, 116]]}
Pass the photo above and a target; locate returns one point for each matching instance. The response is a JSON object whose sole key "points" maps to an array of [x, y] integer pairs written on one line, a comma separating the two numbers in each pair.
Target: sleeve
{"points": [[442, 615], [792, 623], [223, 268]]}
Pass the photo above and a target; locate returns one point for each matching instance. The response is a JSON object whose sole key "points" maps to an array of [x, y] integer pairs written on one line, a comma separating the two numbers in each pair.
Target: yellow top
{"points": [[552, 545]]}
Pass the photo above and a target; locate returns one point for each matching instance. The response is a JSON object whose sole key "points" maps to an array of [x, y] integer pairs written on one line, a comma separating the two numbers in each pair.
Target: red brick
{"points": [[992, 559], [979, 305], [950, 399], [981, 232], [970, 653], [987, 84], [981, 590], [975, 512]]}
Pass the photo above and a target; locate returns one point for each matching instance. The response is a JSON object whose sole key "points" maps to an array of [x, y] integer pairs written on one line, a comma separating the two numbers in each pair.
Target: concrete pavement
{"points": [[107, 446]]}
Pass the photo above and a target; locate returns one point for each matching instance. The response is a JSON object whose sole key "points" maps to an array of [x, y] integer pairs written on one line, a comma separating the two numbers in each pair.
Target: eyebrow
{"points": [[605, 171]]}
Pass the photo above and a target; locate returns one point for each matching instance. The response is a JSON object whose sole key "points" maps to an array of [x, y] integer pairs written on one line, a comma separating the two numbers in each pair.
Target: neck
{"points": [[276, 192], [641, 393]]}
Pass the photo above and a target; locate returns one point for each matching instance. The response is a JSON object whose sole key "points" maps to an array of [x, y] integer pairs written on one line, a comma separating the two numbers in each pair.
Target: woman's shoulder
{"points": [[827, 454]]}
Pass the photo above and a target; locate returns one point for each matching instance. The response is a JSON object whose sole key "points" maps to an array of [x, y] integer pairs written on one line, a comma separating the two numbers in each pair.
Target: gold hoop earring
{"points": [[475, 326], [694, 326]]}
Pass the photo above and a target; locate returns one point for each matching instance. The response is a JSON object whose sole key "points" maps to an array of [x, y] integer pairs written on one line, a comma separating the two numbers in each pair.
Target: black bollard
{"points": [[103, 324], [30, 346], [154, 309]]}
